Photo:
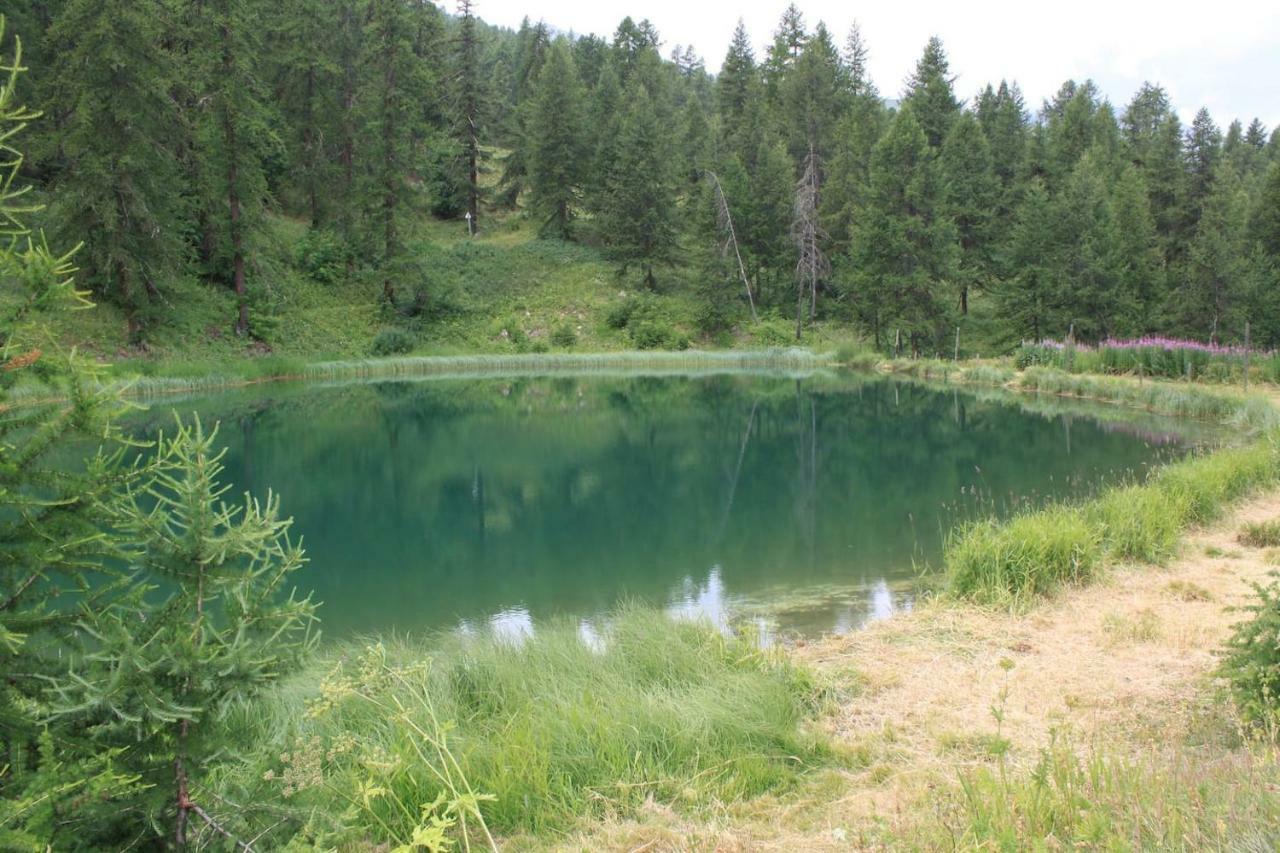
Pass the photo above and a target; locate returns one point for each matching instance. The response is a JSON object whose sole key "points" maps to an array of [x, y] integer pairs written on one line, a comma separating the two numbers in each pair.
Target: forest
{"points": [[175, 137]]}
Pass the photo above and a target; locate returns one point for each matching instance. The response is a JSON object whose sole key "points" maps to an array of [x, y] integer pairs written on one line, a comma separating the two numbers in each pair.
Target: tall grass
{"points": [[189, 378], [544, 732]]}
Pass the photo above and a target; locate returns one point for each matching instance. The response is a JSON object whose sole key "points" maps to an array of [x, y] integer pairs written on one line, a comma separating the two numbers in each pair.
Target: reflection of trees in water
{"points": [[422, 501]]}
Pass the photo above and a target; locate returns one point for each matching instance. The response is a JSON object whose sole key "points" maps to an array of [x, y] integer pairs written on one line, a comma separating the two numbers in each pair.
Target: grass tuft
{"points": [[1007, 562], [1260, 534]]}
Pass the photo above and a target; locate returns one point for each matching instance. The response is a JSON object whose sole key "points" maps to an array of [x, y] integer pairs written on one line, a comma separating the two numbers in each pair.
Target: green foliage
{"points": [[322, 256], [1252, 662], [536, 733]]}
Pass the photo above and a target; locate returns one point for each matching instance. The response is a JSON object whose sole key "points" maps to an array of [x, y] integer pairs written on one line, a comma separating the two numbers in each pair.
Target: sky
{"points": [[1223, 55]]}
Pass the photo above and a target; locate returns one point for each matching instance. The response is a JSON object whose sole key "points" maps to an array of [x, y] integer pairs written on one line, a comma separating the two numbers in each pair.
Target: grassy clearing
{"points": [[553, 729], [1033, 554]]}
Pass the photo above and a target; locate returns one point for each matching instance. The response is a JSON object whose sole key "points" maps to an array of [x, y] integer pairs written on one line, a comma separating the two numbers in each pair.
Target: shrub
{"points": [[392, 342], [773, 332], [322, 256], [619, 314], [1030, 555], [654, 334], [564, 335], [1252, 662]]}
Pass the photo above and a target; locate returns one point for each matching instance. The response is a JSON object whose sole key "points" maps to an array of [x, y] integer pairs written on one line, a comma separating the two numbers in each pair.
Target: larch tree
{"points": [[970, 197], [930, 95], [639, 225], [469, 104], [557, 150], [1027, 292], [903, 250]]}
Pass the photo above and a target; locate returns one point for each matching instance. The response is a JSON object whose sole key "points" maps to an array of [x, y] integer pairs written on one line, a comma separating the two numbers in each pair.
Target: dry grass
{"points": [[1126, 663]]}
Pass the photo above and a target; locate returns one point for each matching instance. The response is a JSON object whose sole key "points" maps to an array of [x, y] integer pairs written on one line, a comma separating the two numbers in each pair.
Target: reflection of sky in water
{"points": [[823, 611]]}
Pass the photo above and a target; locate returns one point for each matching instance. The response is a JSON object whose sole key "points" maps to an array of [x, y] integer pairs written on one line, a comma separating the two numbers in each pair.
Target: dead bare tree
{"points": [[807, 233], [724, 222]]}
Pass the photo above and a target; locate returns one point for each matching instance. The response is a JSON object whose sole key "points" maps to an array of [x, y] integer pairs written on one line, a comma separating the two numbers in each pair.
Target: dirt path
{"points": [[1127, 661]]}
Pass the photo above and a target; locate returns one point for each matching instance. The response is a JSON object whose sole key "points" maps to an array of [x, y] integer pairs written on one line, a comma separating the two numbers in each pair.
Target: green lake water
{"points": [[790, 505]]}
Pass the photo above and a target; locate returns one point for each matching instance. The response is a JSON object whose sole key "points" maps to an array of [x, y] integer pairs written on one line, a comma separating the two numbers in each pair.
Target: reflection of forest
{"points": [[423, 503]]}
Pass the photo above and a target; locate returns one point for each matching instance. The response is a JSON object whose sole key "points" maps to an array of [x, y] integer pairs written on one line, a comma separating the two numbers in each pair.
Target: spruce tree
{"points": [[468, 106], [118, 187], [557, 153], [1203, 151], [392, 80], [1216, 273], [233, 138], [1137, 247], [306, 66]]}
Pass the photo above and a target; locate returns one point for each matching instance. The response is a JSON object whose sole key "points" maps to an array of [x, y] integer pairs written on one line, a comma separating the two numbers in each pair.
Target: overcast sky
{"points": [[1224, 55]]}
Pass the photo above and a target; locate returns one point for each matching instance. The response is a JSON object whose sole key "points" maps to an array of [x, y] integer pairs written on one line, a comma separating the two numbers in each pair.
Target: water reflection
{"points": [[773, 505]]}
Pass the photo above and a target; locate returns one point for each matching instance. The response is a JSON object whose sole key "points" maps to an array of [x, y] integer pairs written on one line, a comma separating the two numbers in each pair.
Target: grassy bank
{"points": [[522, 737], [1030, 555]]}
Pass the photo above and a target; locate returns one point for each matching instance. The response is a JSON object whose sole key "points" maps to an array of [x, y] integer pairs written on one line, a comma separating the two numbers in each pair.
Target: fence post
{"points": [[957, 358], [1071, 348]]}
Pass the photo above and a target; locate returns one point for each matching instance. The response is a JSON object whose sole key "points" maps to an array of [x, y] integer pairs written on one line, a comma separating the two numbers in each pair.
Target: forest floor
{"points": [[1119, 674]]}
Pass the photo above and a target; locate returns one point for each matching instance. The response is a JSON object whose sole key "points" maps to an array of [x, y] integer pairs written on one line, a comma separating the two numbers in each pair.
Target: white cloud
{"points": [[1225, 56]]}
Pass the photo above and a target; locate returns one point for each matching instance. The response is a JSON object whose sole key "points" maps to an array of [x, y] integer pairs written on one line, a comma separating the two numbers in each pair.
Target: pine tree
{"points": [[557, 152], [788, 41], [58, 566], [1003, 115], [639, 226], [969, 196], [930, 96], [118, 187]]}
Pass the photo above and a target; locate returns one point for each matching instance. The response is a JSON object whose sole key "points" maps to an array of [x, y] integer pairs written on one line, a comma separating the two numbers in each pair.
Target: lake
{"points": [[784, 505]]}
